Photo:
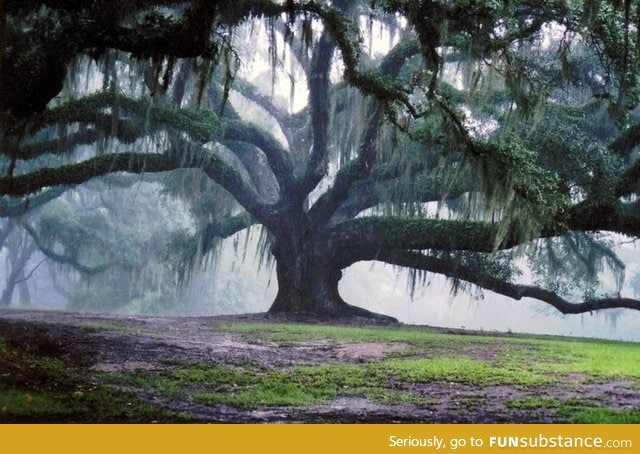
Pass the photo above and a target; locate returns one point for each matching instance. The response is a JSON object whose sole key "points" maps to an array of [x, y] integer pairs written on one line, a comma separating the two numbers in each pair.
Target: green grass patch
{"points": [[293, 333], [309, 385], [607, 416], [179, 382], [598, 359], [536, 354], [587, 411], [581, 411], [459, 369], [22, 403], [38, 385], [297, 386], [267, 392]]}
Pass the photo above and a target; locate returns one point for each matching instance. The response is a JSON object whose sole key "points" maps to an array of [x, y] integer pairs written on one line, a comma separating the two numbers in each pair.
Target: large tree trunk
{"points": [[308, 282]]}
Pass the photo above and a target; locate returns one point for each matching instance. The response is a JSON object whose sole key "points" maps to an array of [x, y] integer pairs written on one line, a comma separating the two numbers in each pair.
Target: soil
{"points": [[122, 343]]}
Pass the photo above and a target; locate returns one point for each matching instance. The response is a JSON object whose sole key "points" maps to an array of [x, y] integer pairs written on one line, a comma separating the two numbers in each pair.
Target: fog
{"points": [[117, 245], [239, 281]]}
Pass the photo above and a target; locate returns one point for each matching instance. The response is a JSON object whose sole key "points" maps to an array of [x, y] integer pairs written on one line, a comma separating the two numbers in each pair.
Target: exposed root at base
{"points": [[345, 314]]}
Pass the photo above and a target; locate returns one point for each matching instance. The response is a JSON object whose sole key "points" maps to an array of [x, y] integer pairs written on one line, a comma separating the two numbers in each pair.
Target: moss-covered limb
{"points": [[114, 9], [43, 38], [257, 166], [318, 82], [626, 141], [219, 171], [14, 208], [358, 169], [224, 229], [629, 182], [72, 174], [287, 122], [612, 216], [455, 270], [330, 201], [125, 131], [294, 127], [411, 188], [395, 232], [64, 259], [202, 126], [279, 161], [393, 62]]}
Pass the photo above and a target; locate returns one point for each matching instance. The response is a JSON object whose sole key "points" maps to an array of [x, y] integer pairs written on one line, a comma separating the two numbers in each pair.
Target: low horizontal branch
{"points": [[416, 233], [455, 270]]}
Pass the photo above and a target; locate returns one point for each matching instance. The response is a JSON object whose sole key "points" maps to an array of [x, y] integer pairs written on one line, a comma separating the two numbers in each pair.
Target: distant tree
{"points": [[533, 137]]}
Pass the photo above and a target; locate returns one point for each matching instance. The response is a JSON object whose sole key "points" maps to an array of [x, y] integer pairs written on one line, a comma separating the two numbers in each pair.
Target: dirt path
{"points": [[101, 343]]}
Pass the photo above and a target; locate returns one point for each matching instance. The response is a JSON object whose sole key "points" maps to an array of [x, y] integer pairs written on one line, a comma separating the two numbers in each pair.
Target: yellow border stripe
{"points": [[312, 438]]}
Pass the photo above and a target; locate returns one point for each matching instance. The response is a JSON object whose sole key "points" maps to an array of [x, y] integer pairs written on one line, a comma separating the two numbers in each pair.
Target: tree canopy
{"points": [[450, 137]]}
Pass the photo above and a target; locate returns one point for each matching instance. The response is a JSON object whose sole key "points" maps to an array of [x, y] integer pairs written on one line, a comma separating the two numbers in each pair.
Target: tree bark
{"points": [[308, 276]]}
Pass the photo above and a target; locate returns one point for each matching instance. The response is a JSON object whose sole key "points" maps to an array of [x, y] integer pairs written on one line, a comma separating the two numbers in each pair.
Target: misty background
{"points": [[114, 245], [240, 280]]}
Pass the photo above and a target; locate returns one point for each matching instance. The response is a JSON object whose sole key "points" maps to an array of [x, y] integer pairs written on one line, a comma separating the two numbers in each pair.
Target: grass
{"points": [[460, 369], [41, 387], [293, 333], [297, 386], [19, 402], [535, 354], [580, 411], [607, 416], [309, 385]]}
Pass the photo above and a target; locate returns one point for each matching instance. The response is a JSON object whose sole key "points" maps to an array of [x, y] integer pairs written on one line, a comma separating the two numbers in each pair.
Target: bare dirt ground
{"points": [[119, 343]]}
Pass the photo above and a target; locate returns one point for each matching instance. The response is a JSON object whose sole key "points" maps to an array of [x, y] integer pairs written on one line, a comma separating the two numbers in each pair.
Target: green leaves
{"points": [[522, 195]]}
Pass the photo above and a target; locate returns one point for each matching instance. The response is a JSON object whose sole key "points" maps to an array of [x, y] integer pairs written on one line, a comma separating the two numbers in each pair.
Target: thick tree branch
{"points": [[257, 165], [400, 233], [613, 216], [252, 93], [187, 36], [125, 131], [201, 126], [629, 182], [225, 229], [73, 174], [398, 191], [356, 170], [626, 141], [319, 104], [361, 167], [279, 161], [455, 270]]}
